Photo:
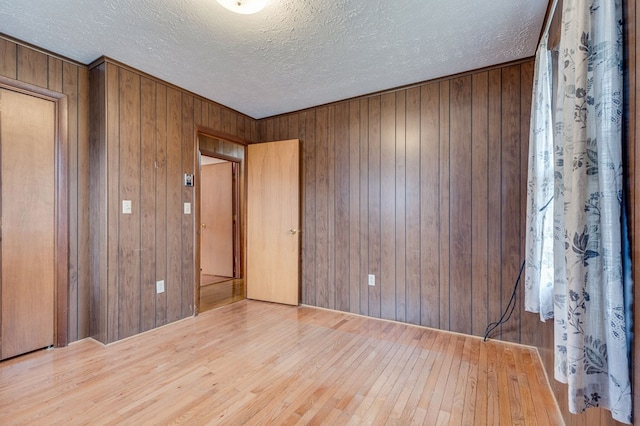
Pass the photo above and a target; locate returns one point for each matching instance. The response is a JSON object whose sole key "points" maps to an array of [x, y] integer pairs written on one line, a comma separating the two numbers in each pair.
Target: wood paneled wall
{"points": [[28, 65], [143, 141], [425, 188]]}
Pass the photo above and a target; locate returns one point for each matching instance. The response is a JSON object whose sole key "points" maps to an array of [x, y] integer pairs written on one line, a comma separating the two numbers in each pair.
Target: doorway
{"points": [[220, 271]]}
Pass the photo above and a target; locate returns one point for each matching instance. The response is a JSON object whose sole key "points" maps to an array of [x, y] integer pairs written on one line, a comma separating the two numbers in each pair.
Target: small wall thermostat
{"points": [[188, 179]]}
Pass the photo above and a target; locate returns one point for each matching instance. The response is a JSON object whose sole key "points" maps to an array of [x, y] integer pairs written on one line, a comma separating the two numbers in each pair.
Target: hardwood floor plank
{"points": [[471, 388], [259, 363], [461, 385], [435, 392], [411, 408], [504, 404]]}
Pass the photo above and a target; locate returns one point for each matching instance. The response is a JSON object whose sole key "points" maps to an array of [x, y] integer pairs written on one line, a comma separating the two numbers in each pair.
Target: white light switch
{"points": [[372, 280], [126, 206], [160, 286], [187, 208]]}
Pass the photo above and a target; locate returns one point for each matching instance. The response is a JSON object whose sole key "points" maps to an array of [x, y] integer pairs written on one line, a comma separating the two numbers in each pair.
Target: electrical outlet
{"points": [[187, 208], [126, 206], [372, 280], [160, 286]]}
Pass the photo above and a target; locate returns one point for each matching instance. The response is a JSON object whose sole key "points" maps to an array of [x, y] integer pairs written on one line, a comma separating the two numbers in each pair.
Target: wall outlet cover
{"points": [[160, 286]]}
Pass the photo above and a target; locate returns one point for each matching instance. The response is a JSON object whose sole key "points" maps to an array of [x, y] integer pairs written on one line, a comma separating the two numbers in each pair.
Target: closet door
{"points": [[27, 179]]}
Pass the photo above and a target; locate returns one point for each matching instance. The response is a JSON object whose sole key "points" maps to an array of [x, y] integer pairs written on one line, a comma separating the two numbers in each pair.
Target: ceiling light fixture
{"points": [[245, 7]]}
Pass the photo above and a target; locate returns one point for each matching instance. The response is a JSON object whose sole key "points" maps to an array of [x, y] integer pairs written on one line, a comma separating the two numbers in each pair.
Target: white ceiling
{"points": [[293, 54]]}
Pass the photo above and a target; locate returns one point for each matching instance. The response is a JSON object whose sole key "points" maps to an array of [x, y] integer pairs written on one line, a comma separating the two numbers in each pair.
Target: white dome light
{"points": [[245, 7]]}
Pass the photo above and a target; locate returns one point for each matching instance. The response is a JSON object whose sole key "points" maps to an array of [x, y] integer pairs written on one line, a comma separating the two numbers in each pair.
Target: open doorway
{"points": [[221, 273]]}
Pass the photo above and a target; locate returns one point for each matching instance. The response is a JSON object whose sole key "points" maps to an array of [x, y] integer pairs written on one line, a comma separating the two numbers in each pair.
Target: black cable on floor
{"points": [[509, 308]]}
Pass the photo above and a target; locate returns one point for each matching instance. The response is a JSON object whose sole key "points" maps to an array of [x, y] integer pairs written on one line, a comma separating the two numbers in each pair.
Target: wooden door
{"points": [[216, 210], [273, 221], [27, 181]]}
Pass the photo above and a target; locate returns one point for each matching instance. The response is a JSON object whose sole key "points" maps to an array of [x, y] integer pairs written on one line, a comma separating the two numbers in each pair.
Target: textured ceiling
{"points": [[293, 54]]}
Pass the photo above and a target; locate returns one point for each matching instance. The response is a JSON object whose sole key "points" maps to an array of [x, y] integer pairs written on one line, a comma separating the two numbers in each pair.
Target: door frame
{"points": [[239, 202], [235, 208], [61, 197]]}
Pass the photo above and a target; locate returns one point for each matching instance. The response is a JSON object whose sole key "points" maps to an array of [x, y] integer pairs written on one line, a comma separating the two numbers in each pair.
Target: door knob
{"points": [[294, 231], [204, 225]]}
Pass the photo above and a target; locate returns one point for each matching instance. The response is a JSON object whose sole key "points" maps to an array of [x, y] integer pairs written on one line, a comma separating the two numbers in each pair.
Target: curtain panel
{"points": [[585, 244]]}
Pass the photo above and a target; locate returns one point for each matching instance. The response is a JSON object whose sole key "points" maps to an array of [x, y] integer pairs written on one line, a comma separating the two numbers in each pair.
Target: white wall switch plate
{"points": [[372, 280], [160, 286], [126, 206], [187, 208]]}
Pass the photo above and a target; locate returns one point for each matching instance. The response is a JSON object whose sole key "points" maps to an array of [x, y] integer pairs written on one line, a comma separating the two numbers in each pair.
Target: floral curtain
{"points": [[591, 347], [539, 243]]}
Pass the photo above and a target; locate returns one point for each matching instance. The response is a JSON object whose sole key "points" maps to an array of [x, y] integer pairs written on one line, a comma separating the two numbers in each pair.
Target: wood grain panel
{"points": [[374, 243], [67, 83], [147, 204], [173, 281], [187, 283], [110, 288], [271, 130], [331, 207], [400, 206], [322, 195], [412, 189], [364, 206], [445, 182], [355, 274], [342, 219], [83, 224], [98, 205], [530, 324], [232, 120], [129, 189], [511, 190], [32, 66], [214, 116], [54, 78], [386, 281], [480, 192], [309, 246], [161, 202], [282, 126], [460, 198], [8, 58], [430, 204], [294, 125], [494, 197]]}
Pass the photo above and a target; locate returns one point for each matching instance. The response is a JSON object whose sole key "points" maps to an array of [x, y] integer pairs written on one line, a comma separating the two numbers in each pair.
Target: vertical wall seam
{"points": [[471, 248], [419, 187], [140, 165]]}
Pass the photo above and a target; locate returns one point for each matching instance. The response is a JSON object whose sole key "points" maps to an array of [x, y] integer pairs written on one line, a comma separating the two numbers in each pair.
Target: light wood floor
{"points": [[206, 279], [220, 293], [259, 363]]}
